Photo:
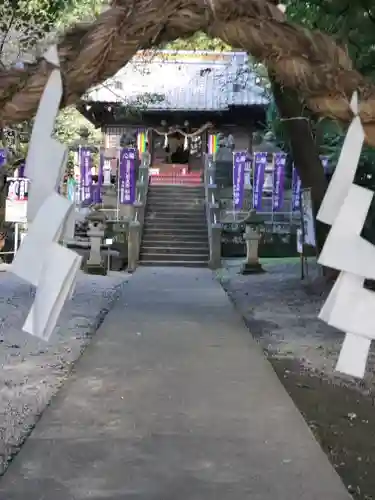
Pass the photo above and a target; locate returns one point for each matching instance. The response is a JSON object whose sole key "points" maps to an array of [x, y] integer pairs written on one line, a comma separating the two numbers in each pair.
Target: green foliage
{"points": [[26, 24], [352, 23], [199, 41], [70, 122], [26, 27]]}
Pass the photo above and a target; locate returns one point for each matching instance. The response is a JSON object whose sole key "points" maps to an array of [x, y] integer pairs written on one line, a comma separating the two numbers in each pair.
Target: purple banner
{"points": [[278, 181], [96, 189], [3, 157], [260, 162], [239, 165], [296, 190], [101, 169], [21, 169], [85, 165], [127, 176]]}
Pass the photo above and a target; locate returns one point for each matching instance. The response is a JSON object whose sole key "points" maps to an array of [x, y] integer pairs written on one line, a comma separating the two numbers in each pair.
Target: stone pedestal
{"points": [[126, 212], [97, 224], [252, 264]]}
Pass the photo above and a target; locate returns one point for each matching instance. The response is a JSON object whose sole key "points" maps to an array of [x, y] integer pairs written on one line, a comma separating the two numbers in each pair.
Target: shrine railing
{"points": [[212, 212], [139, 206]]}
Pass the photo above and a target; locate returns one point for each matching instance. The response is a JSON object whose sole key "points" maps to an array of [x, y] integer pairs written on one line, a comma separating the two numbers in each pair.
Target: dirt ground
{"points": [[342, 420], [281, 312]]}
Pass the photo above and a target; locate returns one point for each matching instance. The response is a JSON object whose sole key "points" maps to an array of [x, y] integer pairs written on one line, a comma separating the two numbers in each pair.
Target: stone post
{"points": [[252, 264], [215, 247], [133, 245], [139, 211], [97, 225]]}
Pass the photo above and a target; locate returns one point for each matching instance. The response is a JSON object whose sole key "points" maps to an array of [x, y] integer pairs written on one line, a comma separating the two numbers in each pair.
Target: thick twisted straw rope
{"points": [[310, 62]]}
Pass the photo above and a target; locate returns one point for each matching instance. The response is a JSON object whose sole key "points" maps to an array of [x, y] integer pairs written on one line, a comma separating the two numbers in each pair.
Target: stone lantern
{"points": [[97, 225], [254, 222]]}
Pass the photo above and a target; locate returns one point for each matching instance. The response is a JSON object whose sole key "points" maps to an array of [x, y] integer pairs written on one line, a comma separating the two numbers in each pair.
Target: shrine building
{"points": [[174, 103]]}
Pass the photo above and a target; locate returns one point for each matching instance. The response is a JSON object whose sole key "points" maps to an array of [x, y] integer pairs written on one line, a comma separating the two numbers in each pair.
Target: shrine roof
{"points": [[183, 80]]}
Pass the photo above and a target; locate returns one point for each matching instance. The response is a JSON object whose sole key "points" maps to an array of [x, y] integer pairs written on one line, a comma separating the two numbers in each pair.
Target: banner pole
{"points": [[118, 186]]}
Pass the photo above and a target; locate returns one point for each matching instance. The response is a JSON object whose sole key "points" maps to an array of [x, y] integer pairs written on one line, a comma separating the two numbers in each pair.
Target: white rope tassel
{"points": [[165, 141], [186, 143]]}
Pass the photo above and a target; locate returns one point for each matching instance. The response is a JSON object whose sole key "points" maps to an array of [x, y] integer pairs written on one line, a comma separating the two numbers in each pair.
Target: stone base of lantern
{"points": [[97, 269], [252, 268]]}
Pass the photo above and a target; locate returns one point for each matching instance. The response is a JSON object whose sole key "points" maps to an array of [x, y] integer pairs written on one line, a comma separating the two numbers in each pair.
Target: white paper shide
{"points": [[349, 306], [41, 260]]}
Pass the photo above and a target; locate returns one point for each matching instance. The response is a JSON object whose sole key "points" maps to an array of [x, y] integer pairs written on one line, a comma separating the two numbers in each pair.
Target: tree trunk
{"points": [[304, 150]]}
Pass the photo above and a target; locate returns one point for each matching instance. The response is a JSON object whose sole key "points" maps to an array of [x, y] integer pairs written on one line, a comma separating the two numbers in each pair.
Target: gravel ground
{"points": [[33, 370], [282, 314], [281, 311]]}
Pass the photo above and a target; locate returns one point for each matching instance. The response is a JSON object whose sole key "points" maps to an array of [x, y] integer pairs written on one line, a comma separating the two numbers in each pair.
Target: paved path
{"points": [[173, 400]]}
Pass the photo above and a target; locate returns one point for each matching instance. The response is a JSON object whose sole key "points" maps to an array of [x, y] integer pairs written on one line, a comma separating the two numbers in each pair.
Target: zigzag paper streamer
{"points": [[40, 260], [349, 306], [345, 170]]}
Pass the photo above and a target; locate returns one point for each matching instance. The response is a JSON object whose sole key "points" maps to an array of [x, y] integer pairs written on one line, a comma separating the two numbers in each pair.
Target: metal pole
{"points": [[304, 258], [273, 184], [118, 187], [233, 207], [16, 235]]}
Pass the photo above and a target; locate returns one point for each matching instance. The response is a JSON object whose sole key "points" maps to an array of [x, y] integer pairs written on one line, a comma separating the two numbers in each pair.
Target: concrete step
{"points": [[158, 217], [176, 197], [167, 221], [176, 207], [150, 230], [169, 191], [171, 200], [177, 187], [166, 195], [176, 192], [177, 204], [173, 263], [180, 227], [179, 240], [186, 257], [162, 250], [187, 222], [169, 213]]}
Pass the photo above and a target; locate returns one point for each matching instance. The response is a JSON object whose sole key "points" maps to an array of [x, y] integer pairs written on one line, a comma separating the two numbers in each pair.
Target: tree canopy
{"points": [[26, 27], [352, 23]]}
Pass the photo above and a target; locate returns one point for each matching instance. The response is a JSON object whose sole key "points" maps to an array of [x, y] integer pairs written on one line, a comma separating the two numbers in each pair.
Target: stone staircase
{"points": [[175, 228]]}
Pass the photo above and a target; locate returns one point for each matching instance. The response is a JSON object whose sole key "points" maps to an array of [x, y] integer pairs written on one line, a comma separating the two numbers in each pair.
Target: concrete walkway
{"points": [[173, 400]]}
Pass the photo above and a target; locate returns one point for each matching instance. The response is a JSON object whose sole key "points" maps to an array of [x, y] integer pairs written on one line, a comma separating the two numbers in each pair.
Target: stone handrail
{"points": [[139, 206], [212, 212]]}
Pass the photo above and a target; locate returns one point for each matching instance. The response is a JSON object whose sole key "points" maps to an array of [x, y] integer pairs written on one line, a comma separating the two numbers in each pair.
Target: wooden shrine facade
{"points": [[203, 94]]}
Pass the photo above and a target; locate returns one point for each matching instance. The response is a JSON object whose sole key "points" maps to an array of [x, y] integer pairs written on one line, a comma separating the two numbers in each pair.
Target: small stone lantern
{"points": [[254, 223], [97, 225]]}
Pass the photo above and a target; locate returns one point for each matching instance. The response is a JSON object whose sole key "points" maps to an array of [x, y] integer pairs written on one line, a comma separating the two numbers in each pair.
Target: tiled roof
{"points": [[183, 80]]}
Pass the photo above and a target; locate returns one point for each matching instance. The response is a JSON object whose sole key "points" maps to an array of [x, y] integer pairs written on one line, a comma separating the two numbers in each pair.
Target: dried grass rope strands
{"points": [[309, 62]]}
